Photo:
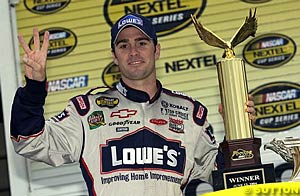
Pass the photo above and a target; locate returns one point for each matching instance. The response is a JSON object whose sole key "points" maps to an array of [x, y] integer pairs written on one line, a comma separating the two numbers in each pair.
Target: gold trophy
{"points": [[240, 148], [289, 150]]}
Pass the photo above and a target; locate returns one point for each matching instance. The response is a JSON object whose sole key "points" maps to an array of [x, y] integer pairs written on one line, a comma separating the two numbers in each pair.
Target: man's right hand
{"points": [[35, 59]]}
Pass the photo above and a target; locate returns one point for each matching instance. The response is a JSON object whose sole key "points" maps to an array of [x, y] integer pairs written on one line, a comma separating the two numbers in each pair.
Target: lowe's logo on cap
{"points": [[138, 21], [130, 19]]}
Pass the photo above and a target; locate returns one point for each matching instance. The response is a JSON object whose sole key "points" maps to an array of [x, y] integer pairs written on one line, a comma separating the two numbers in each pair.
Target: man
{"points": [[135, 139]]}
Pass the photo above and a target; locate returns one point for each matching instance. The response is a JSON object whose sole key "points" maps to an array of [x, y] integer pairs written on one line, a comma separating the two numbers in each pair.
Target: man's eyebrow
{"points": [[122, 40], [143, 38]]}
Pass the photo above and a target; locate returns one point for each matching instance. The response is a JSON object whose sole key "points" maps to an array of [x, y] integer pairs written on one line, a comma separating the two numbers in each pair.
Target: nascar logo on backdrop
{"points": [[67, 83], [62, 41], [277, 106], [167, 16], [111, 75], [44, 6], [269, 50]]}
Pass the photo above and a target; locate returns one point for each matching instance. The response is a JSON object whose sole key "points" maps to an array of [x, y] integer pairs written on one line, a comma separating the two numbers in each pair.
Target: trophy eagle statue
{"points": [[289, 150], [277, 145], [248, 28]]}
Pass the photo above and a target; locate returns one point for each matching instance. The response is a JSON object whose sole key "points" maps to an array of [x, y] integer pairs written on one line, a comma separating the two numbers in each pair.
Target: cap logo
{"points": [[130, 19]]}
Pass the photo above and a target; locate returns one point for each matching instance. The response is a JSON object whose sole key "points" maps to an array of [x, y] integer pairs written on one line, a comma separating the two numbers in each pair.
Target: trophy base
{"points": [[243, 176], [241, 152]]}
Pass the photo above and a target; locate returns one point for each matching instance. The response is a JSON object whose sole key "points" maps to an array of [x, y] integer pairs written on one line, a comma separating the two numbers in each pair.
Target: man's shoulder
{"points": [[179, 95], [83, 102]]}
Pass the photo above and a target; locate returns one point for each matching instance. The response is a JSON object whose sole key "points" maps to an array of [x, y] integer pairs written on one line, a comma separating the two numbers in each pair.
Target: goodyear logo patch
{"points": [[111, 75], [167, 16], [269, 51], [277, 106], [96, 119], [45, 6], [143, 149], [61, 42]]}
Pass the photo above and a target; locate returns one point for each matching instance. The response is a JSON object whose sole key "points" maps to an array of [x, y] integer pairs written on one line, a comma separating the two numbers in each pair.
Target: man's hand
{"points": [[35, 60], [249, 107]]}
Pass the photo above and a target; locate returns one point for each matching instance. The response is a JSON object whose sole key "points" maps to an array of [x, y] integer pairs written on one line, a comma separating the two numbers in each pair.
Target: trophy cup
{"points": [[289, 150], [240, 147]]}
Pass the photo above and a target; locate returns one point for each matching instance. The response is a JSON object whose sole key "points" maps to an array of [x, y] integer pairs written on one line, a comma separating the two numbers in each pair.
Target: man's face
{"points": [[135, 54]]}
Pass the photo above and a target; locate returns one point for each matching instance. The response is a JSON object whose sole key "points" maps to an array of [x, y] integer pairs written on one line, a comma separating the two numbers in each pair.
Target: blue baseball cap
{"points": [[137, 21]]}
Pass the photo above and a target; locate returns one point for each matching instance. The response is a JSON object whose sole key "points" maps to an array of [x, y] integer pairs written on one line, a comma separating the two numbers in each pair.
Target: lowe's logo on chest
{"points": [[142, 150]]}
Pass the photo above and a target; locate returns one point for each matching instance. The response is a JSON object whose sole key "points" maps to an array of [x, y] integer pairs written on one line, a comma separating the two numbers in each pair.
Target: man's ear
{"points": [[157, 51], [115, 58]]}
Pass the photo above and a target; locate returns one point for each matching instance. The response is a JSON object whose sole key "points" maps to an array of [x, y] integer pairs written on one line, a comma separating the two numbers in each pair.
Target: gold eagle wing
{"points": [[208, 36], [247, 29]]}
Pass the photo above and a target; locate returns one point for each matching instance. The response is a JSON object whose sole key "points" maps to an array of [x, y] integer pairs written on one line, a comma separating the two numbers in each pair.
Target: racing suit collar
{"points": [[138, 95]]}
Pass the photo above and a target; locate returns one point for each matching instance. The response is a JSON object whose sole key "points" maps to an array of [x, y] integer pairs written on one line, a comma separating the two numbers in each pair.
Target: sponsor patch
{"points": [[143, 149], [122, 129], [200, 112], [269, 51], [81, 103], [176, 125], [130, 20], [61, 116], [158, 121], [96, 119], [124, 123], [109, 102], [174, 113], [166, 104], [277, 106], [124, 113]]}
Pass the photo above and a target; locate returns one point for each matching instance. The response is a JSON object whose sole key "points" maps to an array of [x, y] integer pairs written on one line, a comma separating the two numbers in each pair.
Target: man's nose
{"points": [[133, 50]]}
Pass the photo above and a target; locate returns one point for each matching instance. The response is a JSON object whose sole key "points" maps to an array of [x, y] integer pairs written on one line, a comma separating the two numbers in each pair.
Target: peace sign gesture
{"points": [[35, 59]]}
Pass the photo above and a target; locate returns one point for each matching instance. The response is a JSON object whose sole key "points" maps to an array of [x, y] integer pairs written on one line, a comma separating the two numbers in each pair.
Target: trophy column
{"points": [[240, 147]]}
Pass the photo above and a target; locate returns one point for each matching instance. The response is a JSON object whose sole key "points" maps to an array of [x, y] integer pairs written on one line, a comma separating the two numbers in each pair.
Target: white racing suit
{"points": [[126, 144]]}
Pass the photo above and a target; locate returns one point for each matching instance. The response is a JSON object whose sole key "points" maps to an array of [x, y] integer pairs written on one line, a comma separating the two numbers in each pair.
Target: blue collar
{"points": [[137, 95]]}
